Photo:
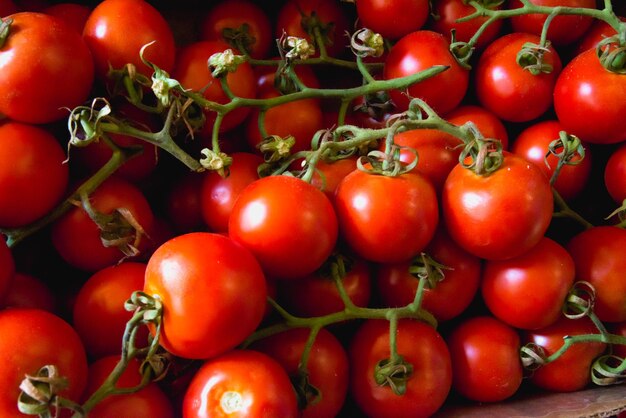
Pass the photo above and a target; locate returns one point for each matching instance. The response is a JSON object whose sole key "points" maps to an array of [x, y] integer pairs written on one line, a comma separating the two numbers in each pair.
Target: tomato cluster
{"points": [[308, 208]]}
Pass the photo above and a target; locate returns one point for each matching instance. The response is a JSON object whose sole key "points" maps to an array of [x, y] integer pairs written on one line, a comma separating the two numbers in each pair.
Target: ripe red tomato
{"points": [[427, 386], [7, 270], [400, 17], [571, 372], [288, 224], [597, 32], [615, 174], [116, 30], [597, 254], [529, 291], [585, 91], [489, 125], [35, 87], [419, 51], [191, 269], [33, 175], [327, 176], [507, 89], [31, 339], [489, 217], [364, 203], [27, 291], [242, 383], [327, 367], [486, 366], [73, 14]]}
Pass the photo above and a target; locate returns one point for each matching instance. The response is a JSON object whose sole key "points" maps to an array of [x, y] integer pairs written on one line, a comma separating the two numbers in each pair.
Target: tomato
{"points": [[116, 30], [489, 217], [533, 143], [486, 366], [266, 77], [103, 296], [419, 51], [428, 384], [35, 88], [240, 383], [327, 176], [73, 14], [571, 372], [7, 270], [218, 194], [77, 238], [597, 32], [615, 174], [563, 30], [489, 125], [461, 278], [148, 402], [448, 13], [191, 269], [529, 291], [234, 14], [400, 17], [585, 92], [33, 175], [597, 256], [507, 89], [326, 367], [288, 224], [27, 291], [31, 339], [363, 202], [183, 203]]}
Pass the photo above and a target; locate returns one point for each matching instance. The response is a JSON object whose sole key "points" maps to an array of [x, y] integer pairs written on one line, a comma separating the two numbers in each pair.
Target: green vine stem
{"points": [[563, 210]]}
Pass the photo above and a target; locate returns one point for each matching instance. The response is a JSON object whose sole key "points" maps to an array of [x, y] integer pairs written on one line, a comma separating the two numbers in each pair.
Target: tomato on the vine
{"points": [[615, 174], [399, 18]]}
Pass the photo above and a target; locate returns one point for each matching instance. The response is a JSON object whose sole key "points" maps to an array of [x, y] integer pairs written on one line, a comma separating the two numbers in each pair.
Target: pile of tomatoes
{"points": [[261, 233]]}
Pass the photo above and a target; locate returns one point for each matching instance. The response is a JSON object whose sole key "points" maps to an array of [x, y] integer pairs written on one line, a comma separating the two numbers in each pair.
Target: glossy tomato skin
{"points": [[327, 366], [571, 371], [427, 387], [486, 366], [411, 201], [615, 174], [585, 91], [73, 14], [507, 89], [419, 51], [33, 175], [529, 291], [533, 144], [242, 384], [116, 30], [327, 176], [487, 122], [30, 340], [288, 224], [400, 17], [7, 270], [597, 254], [34, 87], [500, 215]]}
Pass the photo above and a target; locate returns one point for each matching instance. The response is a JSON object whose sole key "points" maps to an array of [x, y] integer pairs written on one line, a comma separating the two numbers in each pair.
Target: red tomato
{"points": [[27, 291], [615, 174], [35, 86], [189, 270], [489, 217], [288, 224], [489, 125], [427, 386], [116, 30], [364, 202], [7, 271], [218, 194], [184, 202], [400, 17], [584, 100], [461, 278], [486, 366], [31, 339], [571, 372], [597, 32], [419, 51], [103, 296], [33, 175], [507, 89], [266, 78], [327, 367], [77, 238], [529, 291], [563, 29], [327, 176], [241, 383], [597, 254], [232, 15], [73, 14]]}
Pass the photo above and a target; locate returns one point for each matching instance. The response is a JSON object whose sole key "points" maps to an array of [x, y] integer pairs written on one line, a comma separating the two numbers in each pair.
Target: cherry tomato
{"points": [[489, 125], [597, 32], [327, 176], [428, 384], [288, 224], [400, 17], [486, 366], [489, 216], [73, 14], [191, 269], [27, 291], [615, 174], [242, 383], [7, 270]]}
